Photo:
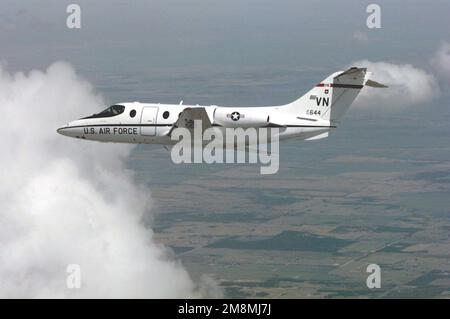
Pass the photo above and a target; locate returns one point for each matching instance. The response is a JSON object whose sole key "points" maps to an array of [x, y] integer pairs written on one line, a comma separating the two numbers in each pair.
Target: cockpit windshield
{"points": [[109, 112]]}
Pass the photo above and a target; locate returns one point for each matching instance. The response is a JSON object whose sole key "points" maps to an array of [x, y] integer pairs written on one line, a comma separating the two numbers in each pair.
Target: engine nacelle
{"points": [[239, 117]]}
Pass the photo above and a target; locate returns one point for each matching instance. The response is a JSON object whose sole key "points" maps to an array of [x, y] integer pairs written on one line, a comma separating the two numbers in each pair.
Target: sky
{"points": [[232, 52], [177, 33]]}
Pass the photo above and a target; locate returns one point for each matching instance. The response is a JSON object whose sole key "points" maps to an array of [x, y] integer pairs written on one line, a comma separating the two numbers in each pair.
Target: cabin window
{"points": [[132, 113], [166, 115], [109, 112]]}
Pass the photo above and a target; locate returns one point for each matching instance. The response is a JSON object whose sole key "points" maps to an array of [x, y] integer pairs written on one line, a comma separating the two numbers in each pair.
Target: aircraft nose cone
{"points": [[63, 130], [71, 129]]}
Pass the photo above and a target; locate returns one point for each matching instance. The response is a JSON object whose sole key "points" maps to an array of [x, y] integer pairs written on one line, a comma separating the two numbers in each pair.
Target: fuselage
{"points": [[311, 116], [151, 123]]}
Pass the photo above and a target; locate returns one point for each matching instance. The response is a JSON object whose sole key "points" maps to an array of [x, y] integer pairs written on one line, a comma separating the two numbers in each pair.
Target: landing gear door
{"points": [[148, 120]]}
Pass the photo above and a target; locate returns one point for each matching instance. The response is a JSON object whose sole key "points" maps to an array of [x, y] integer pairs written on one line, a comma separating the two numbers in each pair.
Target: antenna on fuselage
{"points": [[181, 102]]}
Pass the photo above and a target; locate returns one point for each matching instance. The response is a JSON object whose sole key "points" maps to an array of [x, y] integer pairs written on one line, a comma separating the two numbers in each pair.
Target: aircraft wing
{"points": [[188, 117]]}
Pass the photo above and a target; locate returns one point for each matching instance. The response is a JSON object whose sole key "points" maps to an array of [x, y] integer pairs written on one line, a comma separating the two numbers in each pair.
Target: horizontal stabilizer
{"points": [[375, 84], [354, 71]]}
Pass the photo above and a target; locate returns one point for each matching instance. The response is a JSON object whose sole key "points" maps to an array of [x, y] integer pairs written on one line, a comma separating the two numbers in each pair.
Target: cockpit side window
{"points": [[109, 112]]}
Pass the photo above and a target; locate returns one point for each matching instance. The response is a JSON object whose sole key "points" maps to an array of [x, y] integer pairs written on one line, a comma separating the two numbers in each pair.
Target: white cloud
{"points": [[408, 86], [441, 60], [65, 201]]}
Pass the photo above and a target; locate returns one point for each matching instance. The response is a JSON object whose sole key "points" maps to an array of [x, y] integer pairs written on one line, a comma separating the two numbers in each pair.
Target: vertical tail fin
{"points": [[331, 98]]}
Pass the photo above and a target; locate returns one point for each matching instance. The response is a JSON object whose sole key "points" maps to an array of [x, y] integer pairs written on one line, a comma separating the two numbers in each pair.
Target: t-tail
{"points": [[330, 99]]}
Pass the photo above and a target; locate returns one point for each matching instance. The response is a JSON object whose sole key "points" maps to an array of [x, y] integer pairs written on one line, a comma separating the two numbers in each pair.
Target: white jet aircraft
{"points": [[310, 117]]}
